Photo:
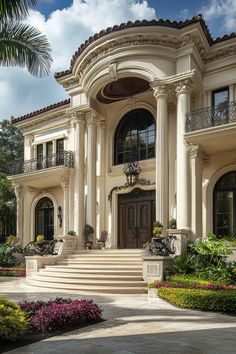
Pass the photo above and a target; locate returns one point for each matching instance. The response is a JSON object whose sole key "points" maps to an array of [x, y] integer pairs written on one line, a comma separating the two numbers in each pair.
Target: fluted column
{"points": [[19, 210], [65, 213], [196, 190], [183, 90], [91, 172], [79, 121], [162, 144]]}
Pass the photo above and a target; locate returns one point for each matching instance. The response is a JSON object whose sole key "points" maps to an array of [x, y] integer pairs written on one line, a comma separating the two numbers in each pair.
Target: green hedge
{"points": [[188, 280], [208, 300], [12, 320]]}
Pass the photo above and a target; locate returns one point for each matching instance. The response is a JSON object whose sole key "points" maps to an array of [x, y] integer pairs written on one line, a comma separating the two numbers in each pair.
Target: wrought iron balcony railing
{"points": [[63, 158], [223, 113]]}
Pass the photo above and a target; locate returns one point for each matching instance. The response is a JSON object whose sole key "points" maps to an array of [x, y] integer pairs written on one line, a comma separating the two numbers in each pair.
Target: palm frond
{"points": [[15, 9], [24, 46]]}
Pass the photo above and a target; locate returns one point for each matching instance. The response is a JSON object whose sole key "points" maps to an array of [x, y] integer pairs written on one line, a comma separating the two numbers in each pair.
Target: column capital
{"points": [[160, 90], [18, 189], [77, 117], [194, 151], [102, 123], [91, 118], [64, 182], [185, 86]]}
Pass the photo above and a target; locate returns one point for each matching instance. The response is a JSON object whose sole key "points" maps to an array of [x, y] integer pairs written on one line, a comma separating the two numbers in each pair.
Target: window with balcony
{"points": [[60, 151], [220, 104], [225, 205]]}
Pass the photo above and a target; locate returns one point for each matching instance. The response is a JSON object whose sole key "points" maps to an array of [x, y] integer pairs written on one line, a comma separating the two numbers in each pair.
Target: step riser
{"points": [[87, 289], [87, 282], [90, 277]]}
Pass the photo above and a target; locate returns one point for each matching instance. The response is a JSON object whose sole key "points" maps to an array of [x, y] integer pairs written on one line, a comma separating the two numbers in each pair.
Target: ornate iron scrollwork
{"points": [[63, 158], [220, 114]]}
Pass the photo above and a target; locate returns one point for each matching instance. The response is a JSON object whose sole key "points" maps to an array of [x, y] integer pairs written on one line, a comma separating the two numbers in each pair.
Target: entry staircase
{"points": [[95, 271]]}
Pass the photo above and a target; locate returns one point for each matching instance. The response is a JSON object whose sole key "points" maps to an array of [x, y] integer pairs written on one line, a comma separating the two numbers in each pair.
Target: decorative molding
{"points": [[141, 182], [77, 117], [64, 182], [194, 151], [205, 159], [18, 189], [161, 90], [185, 86], [113, 71], [91, 118]]}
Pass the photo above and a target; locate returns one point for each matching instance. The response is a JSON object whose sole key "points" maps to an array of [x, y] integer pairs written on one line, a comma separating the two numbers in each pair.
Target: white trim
{"points": [[209, 189], [32, 212]]}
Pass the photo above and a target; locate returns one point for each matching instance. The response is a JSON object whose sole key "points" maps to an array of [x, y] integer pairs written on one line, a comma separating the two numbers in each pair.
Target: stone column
{"points": [[183, 90], [196, 190], [79, 207], [19, 210], [101, 173], [65, 213], [91, 172], [162, 144]]}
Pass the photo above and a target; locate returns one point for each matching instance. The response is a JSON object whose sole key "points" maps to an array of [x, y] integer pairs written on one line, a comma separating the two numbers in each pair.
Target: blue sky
{"points": [[68, 23]]}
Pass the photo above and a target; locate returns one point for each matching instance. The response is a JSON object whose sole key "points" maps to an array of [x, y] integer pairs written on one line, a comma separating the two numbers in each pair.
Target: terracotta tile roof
{"points": [[39, 111], [130, 24]]}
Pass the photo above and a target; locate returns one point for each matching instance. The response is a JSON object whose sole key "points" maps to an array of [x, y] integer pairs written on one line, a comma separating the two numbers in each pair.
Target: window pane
{"points": [[134, 134], [224, 213], [221, 96]]}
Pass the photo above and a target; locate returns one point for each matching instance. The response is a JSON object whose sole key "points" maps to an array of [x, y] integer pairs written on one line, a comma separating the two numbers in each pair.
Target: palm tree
{"points": [[21, 44]]}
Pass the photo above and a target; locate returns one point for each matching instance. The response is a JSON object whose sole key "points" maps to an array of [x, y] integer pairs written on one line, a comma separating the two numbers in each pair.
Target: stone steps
{"points": [[96, 271]]}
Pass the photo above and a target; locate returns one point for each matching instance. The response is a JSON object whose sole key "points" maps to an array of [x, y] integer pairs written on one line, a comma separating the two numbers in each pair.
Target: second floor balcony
{"points": [[224, 113], [62, 158]]}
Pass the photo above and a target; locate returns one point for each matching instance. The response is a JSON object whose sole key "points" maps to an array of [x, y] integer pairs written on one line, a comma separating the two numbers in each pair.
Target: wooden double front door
{"points": [[135, 218]]}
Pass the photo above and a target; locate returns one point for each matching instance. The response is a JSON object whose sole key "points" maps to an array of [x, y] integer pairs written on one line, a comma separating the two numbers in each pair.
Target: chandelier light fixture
{"points": [[132, 171]]}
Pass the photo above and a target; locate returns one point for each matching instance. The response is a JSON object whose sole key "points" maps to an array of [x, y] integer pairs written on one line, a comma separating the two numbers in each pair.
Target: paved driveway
{"points": [[134, 325]]}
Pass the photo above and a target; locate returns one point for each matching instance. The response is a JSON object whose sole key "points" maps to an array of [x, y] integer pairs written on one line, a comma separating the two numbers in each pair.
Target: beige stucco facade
{"points": [[183, 67]]}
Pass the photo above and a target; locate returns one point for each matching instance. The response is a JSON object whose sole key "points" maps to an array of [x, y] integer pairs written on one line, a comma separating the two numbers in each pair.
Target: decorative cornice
{"points": [[64, 182], [18, 191], [77, 117], [42, 110]]}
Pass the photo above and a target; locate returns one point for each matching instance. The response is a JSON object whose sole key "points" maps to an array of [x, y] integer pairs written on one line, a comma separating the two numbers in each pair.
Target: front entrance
{"points": [[136, 214], [44, 218]]}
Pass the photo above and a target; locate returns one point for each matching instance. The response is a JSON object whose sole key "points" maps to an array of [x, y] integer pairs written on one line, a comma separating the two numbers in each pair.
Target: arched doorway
{"points": [[44, 218], [136, 214], [225, 205]]}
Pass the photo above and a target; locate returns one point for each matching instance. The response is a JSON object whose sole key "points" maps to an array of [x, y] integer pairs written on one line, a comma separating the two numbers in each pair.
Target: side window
{"points": [[220, 97], [220, 106], [60, 151]]}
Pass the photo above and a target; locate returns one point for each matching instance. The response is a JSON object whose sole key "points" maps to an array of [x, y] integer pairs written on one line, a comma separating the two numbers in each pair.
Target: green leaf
{"points": [[15, 9]]}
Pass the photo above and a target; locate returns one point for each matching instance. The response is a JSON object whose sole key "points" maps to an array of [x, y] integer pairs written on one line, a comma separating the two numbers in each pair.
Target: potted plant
{"points": [[88, 234], [157, 229], [172, 224], [71, 233]]}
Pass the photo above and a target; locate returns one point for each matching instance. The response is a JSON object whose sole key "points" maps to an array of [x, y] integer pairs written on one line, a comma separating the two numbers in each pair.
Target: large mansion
{"points": [[148, 133]]}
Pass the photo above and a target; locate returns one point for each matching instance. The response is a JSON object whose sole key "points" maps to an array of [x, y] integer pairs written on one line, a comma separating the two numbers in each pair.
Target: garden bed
{"points": [[31, 322], [12, 272]]}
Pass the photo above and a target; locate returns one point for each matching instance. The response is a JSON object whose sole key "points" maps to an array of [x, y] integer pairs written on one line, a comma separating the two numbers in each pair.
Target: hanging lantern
{"points": [[132, 171]]}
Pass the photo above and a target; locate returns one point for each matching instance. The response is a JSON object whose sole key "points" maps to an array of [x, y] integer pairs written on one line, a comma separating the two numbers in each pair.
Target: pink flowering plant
{"points": [[53, 315]]}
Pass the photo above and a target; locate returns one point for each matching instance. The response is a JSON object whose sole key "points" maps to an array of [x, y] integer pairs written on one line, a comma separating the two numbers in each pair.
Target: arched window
{"points": [[135, 137], [225, 205], [44, 218]]}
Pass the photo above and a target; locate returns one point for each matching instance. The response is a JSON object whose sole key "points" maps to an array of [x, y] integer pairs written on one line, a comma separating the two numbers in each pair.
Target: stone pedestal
{"points": [[154, 267], [182, 239]]}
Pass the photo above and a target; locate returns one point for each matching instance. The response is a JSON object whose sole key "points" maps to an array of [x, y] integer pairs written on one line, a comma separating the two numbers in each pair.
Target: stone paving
{"points": [[134, 325]]}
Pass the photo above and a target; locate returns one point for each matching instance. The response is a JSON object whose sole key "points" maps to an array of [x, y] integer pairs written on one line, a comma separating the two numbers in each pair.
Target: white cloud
{"points": [[223, 10], [65, 29]]}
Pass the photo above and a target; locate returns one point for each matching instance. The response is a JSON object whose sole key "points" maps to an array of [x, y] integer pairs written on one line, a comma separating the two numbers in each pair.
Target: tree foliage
{"points": [[21, 44]]}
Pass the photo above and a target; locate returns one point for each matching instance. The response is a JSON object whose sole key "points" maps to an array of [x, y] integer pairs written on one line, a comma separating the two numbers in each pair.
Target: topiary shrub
{"points": [[12, 320], [207, 300]]}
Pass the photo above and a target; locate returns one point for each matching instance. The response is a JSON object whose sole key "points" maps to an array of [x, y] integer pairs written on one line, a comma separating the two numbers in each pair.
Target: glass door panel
{"points": [[224, 213]]}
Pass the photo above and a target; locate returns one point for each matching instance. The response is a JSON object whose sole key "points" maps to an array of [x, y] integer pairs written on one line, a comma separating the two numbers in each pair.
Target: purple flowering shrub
{"points": [[31, 307], [60, 313]]}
